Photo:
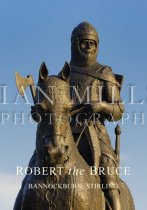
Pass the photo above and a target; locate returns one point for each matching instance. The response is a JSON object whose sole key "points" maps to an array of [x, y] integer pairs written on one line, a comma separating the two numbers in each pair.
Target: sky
{"points": [[35, 31]]}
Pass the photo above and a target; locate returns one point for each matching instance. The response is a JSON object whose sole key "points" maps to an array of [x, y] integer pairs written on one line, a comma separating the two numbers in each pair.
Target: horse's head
{"points": [[53, 96]]}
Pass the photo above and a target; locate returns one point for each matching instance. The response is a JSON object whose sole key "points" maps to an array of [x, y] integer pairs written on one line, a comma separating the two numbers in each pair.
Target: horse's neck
{"points": [[73, 153]]}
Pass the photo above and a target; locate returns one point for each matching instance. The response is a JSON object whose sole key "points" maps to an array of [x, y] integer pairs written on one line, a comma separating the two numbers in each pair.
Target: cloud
{"points": [[9, 187]]}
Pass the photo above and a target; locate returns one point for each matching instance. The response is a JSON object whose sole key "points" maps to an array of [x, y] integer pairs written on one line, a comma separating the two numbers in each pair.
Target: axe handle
{"points": [[32, 88], [33, 91]]}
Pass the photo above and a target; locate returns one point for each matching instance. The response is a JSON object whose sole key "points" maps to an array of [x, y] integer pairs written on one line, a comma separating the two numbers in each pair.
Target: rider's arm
{"points": [[112, 104]]}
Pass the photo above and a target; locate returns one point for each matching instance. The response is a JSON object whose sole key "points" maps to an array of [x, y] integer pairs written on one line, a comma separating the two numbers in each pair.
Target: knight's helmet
{"points": [[83, 31]]}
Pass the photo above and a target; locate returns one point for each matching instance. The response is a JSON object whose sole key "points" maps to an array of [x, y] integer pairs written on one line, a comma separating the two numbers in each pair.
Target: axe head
{"points": [[22, 83]]}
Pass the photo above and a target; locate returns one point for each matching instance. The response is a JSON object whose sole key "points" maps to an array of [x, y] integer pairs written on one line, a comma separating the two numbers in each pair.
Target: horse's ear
{"points": [[43, 72], [65, 73]]}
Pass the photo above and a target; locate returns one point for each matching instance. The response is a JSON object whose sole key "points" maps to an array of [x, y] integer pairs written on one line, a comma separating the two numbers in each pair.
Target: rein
{"points": [[79, 138]]}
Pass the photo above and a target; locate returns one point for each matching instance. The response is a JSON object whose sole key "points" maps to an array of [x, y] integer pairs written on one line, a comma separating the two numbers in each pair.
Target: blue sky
{"points": [[36, 31]]}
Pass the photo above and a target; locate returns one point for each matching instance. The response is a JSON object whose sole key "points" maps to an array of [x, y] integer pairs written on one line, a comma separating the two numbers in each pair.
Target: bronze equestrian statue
{"points": [[95, 93]]}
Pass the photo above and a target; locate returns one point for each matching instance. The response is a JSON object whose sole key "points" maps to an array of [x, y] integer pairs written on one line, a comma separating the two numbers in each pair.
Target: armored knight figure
{"points": [[99, 89]]}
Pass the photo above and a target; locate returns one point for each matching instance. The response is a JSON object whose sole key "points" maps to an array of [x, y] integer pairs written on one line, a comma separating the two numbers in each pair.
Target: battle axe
{"points": [[22, 83]]}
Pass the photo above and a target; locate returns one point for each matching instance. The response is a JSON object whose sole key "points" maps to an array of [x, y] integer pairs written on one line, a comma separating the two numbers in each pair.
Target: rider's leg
{"points": [[110, 179], [114, 198]]}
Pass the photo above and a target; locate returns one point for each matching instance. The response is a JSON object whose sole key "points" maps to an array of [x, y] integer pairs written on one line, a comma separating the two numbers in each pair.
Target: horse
{"points": [[61, 178]]}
